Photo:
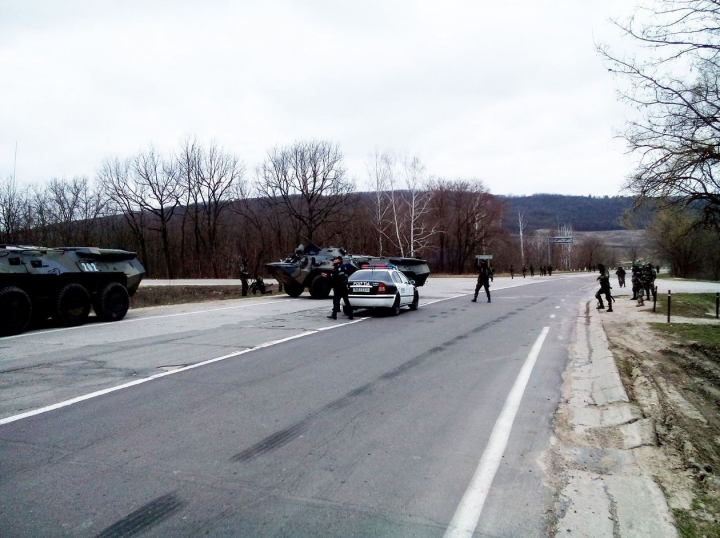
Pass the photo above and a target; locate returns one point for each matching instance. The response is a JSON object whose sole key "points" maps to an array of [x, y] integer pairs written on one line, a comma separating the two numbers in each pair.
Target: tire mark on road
{"points": [[145, 517]]}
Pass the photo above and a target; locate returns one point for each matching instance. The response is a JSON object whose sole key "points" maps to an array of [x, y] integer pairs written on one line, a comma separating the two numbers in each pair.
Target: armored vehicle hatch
{"points": [[65, 283]]}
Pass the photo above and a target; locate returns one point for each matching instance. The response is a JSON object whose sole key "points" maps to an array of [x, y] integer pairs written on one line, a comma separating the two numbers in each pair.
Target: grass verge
{"points": [[706, 336], [690, 305], [706, 526]]}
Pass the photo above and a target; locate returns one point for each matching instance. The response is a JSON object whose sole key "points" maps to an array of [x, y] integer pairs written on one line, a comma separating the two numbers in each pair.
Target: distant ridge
{"points": [[581, 213]]}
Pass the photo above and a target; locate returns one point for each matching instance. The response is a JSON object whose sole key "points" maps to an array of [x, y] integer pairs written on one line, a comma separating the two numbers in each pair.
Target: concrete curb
{"points": [[604, 492]]}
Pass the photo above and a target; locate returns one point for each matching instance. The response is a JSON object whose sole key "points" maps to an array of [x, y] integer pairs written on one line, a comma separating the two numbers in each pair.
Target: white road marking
{"points": [[467, 515], [552, 316], [98, 393], [131, 320], [557, 307]]}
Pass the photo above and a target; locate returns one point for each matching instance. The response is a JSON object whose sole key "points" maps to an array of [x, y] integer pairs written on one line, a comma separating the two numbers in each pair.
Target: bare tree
{"points": [[417, 198], [12, 202], [381, 171], [676, 88], [522, 223], [124, 196], [309, 180], [219, 173], [145, 185]]}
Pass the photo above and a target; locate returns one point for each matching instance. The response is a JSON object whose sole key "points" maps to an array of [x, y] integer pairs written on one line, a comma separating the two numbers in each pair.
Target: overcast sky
{"points": [[511, 93]]}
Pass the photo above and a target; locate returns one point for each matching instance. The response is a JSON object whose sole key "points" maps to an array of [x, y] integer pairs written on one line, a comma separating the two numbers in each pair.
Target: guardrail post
{"points": [[669, 302], [654, 298]]}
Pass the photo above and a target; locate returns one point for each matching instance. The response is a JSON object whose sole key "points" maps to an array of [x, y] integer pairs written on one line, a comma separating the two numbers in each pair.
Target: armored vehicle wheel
{"points": [[72, 304], [112, 302], [416, 302], [395, 310], [320, 287], [15, 310], [294, 289]]}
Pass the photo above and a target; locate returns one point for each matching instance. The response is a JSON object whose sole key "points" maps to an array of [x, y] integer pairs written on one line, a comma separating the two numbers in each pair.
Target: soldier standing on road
{"points": [[638, 284], [532, 270], [492, 274], [339, 280], [621, 277], [549, 270], [483, 280], [524, 270], [604, 279], [244, 276], [649, 284], [512, 271]]}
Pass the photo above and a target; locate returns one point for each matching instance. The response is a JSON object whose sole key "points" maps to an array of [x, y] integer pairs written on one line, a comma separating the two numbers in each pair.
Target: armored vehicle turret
{"points": [[305, 267], [65, 283]]}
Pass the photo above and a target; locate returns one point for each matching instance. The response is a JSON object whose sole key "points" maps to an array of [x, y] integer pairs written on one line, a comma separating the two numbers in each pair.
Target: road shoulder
{"points": [[604, 447]]}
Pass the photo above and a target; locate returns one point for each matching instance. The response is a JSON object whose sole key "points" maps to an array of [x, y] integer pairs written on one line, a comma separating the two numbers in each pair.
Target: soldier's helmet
{"points": [[337, 259]]}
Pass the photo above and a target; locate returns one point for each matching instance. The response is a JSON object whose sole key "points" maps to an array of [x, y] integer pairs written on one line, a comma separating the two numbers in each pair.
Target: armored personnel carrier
{"points": [[305, 267], [65, 283]]}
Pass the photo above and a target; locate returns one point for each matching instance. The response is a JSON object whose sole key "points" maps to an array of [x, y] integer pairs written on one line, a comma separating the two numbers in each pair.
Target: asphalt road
{"points": [[264, 418]]}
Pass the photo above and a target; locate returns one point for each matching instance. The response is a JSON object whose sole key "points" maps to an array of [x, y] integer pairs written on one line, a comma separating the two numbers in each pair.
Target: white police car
{"points": [[381, 286]]}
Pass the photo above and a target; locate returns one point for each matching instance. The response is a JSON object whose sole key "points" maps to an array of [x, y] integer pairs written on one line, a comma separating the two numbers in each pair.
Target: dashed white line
{"points": [[467, 515], [552, 316]]}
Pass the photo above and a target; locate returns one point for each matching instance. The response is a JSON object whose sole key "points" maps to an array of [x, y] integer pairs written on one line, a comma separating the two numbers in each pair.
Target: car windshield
{"points": [[370, 274]]}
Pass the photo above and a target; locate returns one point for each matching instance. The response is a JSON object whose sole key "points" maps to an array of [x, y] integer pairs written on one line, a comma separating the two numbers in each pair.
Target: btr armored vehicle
{"points": [[305, 268], [65, 283]]}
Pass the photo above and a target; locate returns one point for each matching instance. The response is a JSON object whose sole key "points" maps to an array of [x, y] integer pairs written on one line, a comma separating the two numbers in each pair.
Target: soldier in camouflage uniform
{"points": [[604, 279], [649, 275], [638, 285]]}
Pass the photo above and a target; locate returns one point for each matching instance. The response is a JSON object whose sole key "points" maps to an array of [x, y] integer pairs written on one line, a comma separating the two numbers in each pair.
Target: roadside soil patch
{"points": [[672, 372], [165, 295]]}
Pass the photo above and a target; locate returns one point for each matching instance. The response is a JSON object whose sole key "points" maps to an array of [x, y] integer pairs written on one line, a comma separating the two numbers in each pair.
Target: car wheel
{"points": [[395, 310], [347, 310], [72, 304], [294, 289], [15, 310], [112, 303], [416, 301]]}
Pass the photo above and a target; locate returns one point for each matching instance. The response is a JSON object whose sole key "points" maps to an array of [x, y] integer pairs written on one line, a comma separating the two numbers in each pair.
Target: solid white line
{"points": [[467, 515], [98, 393], [131, 320]]}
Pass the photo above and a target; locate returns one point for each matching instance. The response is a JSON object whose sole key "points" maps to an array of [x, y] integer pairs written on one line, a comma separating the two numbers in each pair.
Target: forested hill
{"points": [[581, 213]]}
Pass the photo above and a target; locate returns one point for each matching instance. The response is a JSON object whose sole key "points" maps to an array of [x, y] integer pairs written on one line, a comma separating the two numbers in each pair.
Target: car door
{"points": [[409, 288], [402, 286]]}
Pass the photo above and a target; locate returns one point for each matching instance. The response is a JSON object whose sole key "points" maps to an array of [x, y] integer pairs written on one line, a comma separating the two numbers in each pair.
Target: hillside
{"points": [[585, 213]]}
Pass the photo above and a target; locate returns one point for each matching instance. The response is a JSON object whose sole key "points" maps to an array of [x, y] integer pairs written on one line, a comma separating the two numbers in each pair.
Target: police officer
{"points": [[483, 280], [549, 270], [339, 281], [524, 270], [604, 279], [512, 271], [532, 270]]}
